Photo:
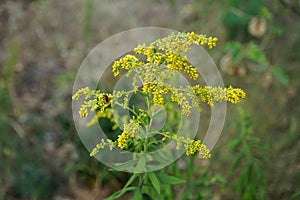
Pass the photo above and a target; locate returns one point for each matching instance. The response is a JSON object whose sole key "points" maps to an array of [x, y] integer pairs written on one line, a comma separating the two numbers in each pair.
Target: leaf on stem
{"points": [[155, 182]]}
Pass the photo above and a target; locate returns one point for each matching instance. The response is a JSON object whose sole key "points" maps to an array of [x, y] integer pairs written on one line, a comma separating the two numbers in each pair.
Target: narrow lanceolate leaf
{"points": [[166, 179], [125, 189], [234, 144], [132, 178], [155, 182], [236, 162], [120, 193]]}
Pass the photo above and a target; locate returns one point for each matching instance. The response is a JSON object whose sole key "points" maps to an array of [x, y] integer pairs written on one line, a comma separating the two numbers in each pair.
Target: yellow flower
{"points": [[194, 146], [192, 36], [209, 94], [157, 98], [109, 143], [129, 133], [211, 42], [128, 62], [233, 95], [191, 71], [122, 140]]}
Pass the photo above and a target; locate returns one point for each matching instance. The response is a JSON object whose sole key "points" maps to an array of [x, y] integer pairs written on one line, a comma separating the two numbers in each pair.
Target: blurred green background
{"points": [[43, 43]]}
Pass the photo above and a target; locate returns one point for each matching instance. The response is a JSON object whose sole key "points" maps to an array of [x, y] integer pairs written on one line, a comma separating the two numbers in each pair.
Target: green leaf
{"points": [[125, 189], [132, 178], [142, 93], [166, 179], [236, 162], [280, 75], [137, 195], [140, 166], [234, 144], [155, 182], [147, 197], [202, 180], [120, 193], [253, 139], [295, 196], [256, 55], [261, 158], [235, 48]]}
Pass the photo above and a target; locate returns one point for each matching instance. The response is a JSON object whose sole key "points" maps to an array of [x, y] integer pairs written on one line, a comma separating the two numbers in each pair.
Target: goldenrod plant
{"points": [[248, 162], [151, 69]]}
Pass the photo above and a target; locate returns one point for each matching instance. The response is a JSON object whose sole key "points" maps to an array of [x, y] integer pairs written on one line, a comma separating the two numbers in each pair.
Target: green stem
{"points": [[117, 103], [149, 125], [141, 182]]}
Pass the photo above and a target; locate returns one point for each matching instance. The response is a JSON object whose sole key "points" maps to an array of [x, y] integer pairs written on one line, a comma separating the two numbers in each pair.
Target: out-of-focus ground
{"points": [[42, 44]]}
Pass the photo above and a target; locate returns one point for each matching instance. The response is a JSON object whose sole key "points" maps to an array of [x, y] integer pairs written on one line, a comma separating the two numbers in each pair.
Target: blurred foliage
{"points": [[248, 156], [23, 170], [238, 14], [198, 178], [88, 13], [6, 76]]}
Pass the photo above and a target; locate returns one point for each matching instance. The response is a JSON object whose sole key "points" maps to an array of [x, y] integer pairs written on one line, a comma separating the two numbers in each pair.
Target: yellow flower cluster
{"points": [[181, 100], [128, 62], [233, 95], [179, 140], [148, 76], [191, 71], [147, 87], [206, 93], [163, 58], [218, 93], [178, 62], [157, 90], [181, 42], [83, 111], [145, 50], [108, 143], [153, 56], [129, 133], [193, 146], [209, 94], [123, 139], [157, 97], [158, 93], [173, 60], [83, 92], [203, 40], [94, 100], [92, 105]]}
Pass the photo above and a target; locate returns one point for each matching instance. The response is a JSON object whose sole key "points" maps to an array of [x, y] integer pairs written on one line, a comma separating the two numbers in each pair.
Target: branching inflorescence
{"points": [[163, 59]]}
